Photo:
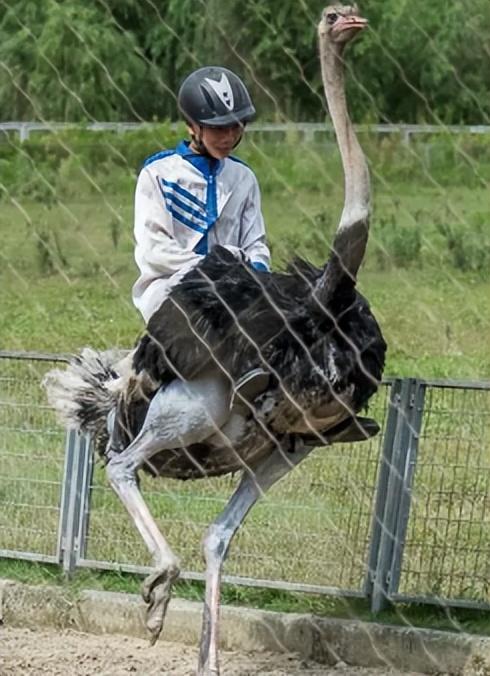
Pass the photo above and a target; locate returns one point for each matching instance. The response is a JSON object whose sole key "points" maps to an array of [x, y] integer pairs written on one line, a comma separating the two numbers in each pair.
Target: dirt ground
{"points": [[67, 653]]}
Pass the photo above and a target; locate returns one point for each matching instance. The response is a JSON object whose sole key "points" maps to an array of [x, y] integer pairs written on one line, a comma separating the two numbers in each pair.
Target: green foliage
{"points": [[49, 254], [51, 166], [67, 61], [313, 238], [469, 244], [115, 227], [395, 244], [116, 60]]}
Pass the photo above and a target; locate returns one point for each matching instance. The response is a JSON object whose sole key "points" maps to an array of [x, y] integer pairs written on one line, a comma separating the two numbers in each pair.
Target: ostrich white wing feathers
{"points": [[83, 388]]}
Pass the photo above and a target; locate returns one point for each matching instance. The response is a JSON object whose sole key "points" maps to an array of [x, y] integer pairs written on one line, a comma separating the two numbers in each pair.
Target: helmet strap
{"points": [[199, 144], [238, 141]]}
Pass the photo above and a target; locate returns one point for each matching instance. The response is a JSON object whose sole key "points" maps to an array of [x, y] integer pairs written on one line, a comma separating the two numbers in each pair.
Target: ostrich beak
{"points": [[349, 23]]}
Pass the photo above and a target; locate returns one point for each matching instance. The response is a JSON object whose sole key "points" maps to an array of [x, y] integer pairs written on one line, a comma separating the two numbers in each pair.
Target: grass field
{"points": [[66, 275], [67, 269]]}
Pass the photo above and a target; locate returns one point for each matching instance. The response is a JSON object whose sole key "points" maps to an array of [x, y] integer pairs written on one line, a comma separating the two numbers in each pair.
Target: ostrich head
{"points": [[340, 23]]}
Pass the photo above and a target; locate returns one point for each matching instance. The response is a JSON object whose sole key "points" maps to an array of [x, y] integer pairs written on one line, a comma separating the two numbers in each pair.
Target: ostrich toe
{"points": [[156, 592]]}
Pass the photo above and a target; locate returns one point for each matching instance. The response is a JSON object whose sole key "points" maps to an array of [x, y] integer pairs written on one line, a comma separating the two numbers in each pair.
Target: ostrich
{"points": [[294, 356]]}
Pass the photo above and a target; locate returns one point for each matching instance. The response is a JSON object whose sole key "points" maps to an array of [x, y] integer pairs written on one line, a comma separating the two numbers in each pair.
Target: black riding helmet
{"points": [[215, 97]]}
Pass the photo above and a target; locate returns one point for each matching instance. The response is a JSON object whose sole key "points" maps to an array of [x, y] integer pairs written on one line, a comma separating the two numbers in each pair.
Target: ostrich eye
{"points": [[332, 17]]}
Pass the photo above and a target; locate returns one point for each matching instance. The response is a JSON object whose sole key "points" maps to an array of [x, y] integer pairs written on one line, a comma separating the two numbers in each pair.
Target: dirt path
{"points": [[67, 653]]}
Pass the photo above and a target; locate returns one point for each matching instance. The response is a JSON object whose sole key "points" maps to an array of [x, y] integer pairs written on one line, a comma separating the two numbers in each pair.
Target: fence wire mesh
{"points": [[87, 92], [31, 462], [447, 550], [312, 529]]}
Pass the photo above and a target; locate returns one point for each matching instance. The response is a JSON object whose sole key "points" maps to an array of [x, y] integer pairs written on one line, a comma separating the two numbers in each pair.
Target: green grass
{"points": [[429, 286], [447, 619], [66, 274]]}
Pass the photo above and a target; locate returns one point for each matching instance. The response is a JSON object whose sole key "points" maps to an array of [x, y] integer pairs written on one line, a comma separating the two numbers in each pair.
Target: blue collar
{"points": [[206, 165]]}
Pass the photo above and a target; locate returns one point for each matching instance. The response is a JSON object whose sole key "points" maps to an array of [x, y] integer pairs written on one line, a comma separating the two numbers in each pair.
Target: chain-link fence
{"points": [[447, 545], [31, 462], [312, 530], [403, 516]]}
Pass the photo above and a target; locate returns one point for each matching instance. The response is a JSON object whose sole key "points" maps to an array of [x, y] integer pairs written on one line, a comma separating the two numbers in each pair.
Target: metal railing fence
{"points": [[31, 461], [306, 130], [405, 516]]}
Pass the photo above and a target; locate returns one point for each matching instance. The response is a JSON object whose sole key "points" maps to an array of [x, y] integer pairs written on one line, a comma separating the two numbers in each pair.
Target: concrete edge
{"points": [[324, 640]]}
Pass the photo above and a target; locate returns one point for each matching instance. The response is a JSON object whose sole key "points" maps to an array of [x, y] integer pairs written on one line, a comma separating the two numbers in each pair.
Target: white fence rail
{"points": [[306, 129]]}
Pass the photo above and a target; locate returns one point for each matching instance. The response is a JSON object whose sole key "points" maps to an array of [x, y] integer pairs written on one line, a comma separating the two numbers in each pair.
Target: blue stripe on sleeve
{"points": [[185, 193], [170, 197], [179, 217]]}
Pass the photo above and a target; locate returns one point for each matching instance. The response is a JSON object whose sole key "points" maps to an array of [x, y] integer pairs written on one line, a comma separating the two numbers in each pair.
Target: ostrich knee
{"points": [[215, 545], [121, 470]]}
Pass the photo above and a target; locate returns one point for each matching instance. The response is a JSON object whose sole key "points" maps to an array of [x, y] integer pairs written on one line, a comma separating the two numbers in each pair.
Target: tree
{"points": [[124, 59], [68, 61]]}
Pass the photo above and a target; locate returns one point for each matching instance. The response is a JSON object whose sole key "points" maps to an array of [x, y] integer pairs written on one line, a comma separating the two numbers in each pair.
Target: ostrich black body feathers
{"points": [[228, 314]]}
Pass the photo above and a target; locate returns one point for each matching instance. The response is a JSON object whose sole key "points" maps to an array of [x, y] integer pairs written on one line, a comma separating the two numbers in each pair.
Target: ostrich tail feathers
{"points": [[84, 393]]}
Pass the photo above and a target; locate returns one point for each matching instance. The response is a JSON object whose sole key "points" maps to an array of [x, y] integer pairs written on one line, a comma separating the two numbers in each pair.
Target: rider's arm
{"points": [[253, 238]]}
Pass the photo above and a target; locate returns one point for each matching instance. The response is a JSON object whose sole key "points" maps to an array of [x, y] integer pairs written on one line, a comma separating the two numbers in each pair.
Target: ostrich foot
{"points": [[156, 592]]}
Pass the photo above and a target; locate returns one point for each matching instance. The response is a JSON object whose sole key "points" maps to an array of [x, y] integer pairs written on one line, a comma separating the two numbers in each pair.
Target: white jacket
{"points": [[185, 204]]}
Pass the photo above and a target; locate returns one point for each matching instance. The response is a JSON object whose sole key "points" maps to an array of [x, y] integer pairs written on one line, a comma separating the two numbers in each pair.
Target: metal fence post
{"points": [[65, 492], [23, 132], [72, 500], [84, 517], [375, 572], [414, 423], [394, 491]]}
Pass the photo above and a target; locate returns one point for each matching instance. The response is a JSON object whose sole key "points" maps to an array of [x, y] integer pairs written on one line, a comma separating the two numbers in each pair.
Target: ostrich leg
{"points": [[253, 485], [157, 586], [179, 415]]}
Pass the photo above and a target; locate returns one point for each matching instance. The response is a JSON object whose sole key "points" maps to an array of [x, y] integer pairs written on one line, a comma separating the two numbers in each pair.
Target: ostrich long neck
{"points": [[352, 233]]}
